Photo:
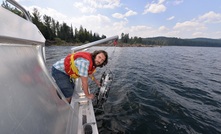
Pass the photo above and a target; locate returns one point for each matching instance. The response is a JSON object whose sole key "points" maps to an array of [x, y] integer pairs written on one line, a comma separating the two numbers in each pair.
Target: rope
{"points": [[111, 56]]}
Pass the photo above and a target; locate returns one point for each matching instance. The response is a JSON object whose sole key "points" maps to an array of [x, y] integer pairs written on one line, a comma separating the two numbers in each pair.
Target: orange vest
{"points": [[71, 69]]}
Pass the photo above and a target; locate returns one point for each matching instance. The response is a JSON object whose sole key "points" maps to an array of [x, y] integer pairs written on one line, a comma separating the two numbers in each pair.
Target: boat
{"points": [[29, 97]]}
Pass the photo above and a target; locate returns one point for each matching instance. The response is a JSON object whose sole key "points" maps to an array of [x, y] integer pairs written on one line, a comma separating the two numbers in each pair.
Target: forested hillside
{"points": [[166, 41]]}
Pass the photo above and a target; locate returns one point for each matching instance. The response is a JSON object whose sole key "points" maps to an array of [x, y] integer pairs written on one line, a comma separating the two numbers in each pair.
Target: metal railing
{"points": [[74, 49], [27, 15]]}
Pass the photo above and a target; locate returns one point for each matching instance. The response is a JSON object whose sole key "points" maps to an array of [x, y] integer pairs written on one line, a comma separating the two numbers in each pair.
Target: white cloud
{"points": [[95, 23], [173, 33], [114, 28], [155, 7], [118, 15], [177, 2], [198, 34], [95, 19], [21, 0], [161, 1], [140, 31], [199, 27], [171, 18], [140, 28], [83, 8], [91, 6], [127, 14], [210, 17], [119, 26], [189, 26], [130, 13], [49, 12], [163, 29]]}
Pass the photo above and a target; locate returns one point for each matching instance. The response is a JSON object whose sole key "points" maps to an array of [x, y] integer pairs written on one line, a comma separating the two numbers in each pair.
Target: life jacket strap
{"points": [[73, 68]]}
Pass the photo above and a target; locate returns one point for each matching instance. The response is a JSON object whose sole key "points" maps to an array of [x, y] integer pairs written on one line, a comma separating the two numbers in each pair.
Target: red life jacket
{"points": [[70, 67]]}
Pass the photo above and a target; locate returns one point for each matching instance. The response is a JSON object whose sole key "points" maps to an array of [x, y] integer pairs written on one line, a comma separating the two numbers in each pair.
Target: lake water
{"points": [[159, 90]]}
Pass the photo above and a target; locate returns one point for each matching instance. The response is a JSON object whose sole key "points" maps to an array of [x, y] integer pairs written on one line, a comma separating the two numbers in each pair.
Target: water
{"points": [[159, 90]]}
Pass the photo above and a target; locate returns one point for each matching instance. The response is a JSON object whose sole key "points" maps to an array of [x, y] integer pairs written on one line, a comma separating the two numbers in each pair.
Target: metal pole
{"points": [[21, 8], [74, 49]]}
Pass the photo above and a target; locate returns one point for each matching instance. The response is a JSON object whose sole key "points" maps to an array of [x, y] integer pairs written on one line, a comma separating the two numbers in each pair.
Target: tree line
{"points": [[130, 40], [54, 31], [173, 41]]}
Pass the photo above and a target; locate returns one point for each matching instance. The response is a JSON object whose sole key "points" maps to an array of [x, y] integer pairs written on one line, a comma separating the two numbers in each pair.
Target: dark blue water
{"points": [[159, 90]]}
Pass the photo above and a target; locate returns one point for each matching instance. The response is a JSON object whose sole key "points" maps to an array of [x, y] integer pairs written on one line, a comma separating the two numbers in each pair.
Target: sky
{"points": [[141, 18]]}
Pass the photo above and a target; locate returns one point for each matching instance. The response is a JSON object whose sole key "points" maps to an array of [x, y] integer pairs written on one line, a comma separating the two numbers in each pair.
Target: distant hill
{"points": [[168, 41]]}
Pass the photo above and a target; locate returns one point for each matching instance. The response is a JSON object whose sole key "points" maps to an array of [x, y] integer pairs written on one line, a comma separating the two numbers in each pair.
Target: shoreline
{"points": [[105, 45]]}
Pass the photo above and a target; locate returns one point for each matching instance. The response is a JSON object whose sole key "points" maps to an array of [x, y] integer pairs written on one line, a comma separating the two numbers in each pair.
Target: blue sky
{"points": [[141, 18]]}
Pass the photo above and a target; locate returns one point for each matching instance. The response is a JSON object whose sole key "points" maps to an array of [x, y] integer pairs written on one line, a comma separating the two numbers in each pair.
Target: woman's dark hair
{"points": [[96, 52]]}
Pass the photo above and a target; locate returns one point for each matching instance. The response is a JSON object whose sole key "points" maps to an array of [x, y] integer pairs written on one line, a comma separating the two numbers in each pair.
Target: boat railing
{"points": [[27, 15]]}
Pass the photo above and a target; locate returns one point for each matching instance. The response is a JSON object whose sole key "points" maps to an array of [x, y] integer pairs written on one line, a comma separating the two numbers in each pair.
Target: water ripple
{"points": [[169, 90]]}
